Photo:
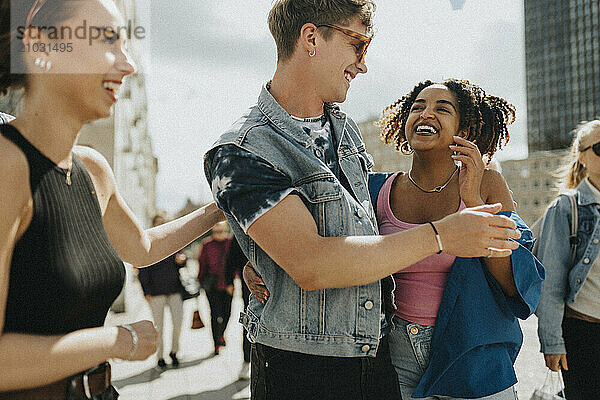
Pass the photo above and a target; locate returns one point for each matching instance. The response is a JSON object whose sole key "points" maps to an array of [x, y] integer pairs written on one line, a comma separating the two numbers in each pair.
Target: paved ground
{"points": [[202, 376]]}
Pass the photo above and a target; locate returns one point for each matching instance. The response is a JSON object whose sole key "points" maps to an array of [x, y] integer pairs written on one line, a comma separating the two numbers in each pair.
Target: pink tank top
{"points": [[419, 288]]}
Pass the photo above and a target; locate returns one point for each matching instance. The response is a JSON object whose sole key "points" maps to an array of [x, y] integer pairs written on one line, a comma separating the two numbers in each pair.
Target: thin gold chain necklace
{"points": [[436, 189]]}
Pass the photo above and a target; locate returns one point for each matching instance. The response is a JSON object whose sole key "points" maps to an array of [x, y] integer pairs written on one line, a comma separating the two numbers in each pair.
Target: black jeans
{"points": [[582, 340], [279, 374], [220, 310]]}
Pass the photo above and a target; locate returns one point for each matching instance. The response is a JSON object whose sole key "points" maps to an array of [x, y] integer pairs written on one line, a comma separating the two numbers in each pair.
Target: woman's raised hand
{"points": [[471, 170]]}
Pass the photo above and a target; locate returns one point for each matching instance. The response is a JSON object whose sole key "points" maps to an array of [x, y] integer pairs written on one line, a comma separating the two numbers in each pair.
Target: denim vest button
{"points": [[365, 348], [369, 305], [414, 330], [586, 260], [596, 241], [579, 281], [360, 213]]}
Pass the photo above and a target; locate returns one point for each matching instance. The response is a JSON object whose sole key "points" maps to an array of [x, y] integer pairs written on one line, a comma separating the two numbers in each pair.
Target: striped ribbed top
{"points": [[64, 273]]}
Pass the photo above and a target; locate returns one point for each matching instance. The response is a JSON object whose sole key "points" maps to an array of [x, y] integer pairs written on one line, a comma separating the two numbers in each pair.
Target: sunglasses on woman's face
{"points": [[595, 147]]}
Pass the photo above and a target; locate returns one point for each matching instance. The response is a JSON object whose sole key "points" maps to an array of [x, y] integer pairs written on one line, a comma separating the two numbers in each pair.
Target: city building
{"points": [[534, 181], [562, 45]]}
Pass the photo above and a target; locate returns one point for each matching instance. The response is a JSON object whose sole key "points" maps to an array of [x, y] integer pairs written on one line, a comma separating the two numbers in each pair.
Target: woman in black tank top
{"points": [[64, 229]]}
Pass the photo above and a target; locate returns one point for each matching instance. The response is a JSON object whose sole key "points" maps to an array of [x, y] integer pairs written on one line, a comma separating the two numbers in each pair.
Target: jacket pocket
{"points": [[323, 198], [320, 190]]}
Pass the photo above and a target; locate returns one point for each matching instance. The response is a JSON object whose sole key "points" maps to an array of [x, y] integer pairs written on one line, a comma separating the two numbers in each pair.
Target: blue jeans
{"points": [[409, 349]]}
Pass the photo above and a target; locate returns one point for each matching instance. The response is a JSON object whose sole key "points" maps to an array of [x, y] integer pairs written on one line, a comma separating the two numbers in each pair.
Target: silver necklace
{"points": [[436, 189]]}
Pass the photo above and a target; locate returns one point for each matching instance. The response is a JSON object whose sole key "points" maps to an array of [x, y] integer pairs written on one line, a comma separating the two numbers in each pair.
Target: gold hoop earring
{"points": [[312, 53], [405, 148]]}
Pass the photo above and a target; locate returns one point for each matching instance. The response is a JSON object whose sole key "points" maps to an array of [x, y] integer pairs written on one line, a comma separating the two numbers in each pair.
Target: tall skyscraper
{"points": [[562, 45]]}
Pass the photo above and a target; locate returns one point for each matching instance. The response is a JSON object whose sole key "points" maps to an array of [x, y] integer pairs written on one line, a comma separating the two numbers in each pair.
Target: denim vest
{"points": [[563, 281], [342, 322]]}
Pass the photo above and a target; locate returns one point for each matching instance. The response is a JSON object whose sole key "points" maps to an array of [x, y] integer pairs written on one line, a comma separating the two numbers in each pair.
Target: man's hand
{"points": [[477, 232], [556, 361], [255, 283]]}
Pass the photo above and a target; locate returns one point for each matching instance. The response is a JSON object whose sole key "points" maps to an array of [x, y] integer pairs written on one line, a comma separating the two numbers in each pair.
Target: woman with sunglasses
{"points": [[569, 309], [64, 229]]}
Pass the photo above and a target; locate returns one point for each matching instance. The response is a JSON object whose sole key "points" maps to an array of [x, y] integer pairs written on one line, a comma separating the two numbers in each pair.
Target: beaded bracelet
{"points": [[134, 340]]}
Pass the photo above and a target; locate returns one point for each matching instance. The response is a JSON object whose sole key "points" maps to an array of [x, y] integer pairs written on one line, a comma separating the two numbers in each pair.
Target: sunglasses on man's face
{"points": [[595, 148], [364, 40]]}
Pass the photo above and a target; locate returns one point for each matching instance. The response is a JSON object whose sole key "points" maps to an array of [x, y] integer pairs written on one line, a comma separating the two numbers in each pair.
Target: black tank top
{"points": [[64, 273]]}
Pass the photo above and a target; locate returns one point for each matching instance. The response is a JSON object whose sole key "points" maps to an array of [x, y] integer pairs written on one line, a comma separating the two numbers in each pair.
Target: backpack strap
{"points": [[376, 181], [573, 238]]}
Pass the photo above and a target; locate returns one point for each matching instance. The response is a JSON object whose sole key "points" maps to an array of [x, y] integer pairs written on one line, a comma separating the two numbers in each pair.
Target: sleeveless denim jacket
{"points": [[343, 322]]}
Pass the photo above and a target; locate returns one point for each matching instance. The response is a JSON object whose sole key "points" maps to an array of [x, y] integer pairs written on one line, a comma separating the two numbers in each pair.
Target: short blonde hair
{"points": [[287, 17]]}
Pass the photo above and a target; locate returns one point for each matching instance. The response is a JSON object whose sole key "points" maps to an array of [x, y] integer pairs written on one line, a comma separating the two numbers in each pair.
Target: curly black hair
{"points": [[484, 118]]}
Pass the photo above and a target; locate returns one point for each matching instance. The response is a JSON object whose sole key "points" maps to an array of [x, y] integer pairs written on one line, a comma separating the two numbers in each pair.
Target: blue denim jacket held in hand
{"points": [[329, 322], [564, 281], [477, 336]]}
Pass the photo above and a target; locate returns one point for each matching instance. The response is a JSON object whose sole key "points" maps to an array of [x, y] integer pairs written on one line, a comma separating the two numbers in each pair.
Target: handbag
{"points": [[552, 389], [197, 322]]}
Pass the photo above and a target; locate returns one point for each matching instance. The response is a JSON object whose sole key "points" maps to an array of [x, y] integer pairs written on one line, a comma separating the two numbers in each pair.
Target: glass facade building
{"points": [[562, 44]]}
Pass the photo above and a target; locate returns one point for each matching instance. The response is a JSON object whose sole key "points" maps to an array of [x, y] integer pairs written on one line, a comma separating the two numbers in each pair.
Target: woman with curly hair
{"points": [[455, 329]]}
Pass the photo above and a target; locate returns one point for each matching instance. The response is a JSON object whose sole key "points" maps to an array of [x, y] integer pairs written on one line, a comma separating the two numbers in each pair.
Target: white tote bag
{"points": [[553, 385]]}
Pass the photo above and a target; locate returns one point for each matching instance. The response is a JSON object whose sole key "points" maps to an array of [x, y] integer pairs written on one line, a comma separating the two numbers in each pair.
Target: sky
{"points": [[209, 59]]}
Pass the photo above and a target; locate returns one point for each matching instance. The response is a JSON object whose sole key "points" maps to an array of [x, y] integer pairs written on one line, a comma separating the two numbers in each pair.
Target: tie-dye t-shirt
{"points": [[246, 186], [322, 143]]}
